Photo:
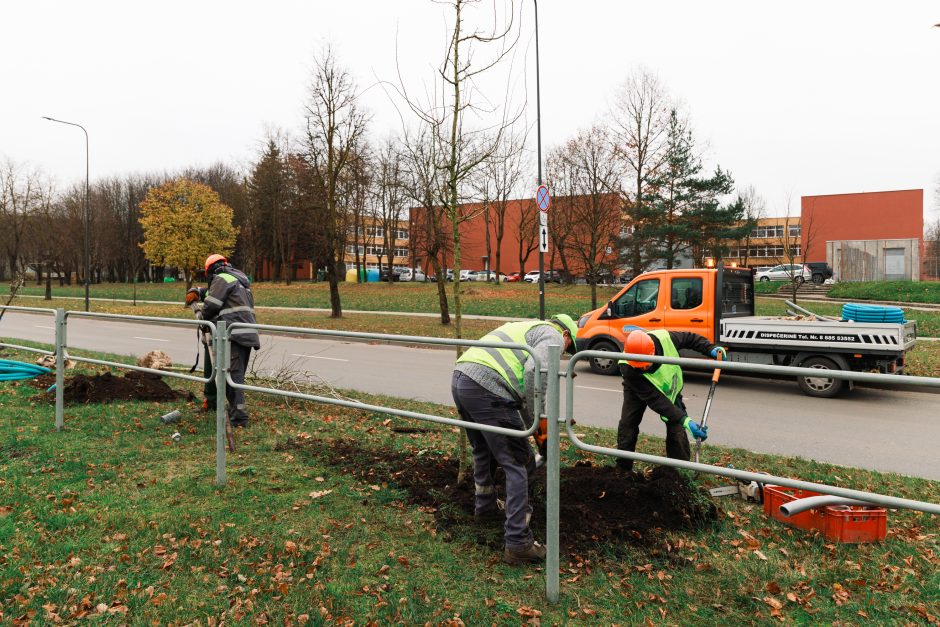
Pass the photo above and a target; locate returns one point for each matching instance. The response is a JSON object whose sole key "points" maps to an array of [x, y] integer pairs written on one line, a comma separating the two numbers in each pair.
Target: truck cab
{"points": [[679, 300]]}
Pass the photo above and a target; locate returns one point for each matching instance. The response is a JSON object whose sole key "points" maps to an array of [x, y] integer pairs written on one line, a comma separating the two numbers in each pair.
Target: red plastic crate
{"points": [[846, 523], [841, 523]]}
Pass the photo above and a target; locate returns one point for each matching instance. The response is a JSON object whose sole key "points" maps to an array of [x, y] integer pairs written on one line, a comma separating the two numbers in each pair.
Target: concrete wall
{"points": [[874, 260]]}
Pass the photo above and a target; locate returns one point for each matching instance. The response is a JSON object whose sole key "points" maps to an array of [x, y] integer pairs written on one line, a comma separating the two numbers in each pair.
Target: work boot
{"points": [[532, 553]]}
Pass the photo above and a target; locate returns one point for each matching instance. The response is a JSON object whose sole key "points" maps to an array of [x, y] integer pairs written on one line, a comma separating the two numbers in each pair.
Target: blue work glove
{"points": [[719, 350], [699, 433]]}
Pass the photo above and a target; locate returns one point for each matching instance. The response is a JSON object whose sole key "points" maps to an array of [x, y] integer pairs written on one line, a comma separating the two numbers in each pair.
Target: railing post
{"points": [[552, 548], [221, 366], [59, 369]]}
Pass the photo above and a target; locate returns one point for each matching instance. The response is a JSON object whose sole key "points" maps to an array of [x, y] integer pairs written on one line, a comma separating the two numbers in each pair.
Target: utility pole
{"points": [[538, 132]]}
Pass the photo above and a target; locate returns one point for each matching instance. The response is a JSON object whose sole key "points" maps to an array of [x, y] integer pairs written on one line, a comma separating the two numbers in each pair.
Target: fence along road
{"points": [[887, 430]]}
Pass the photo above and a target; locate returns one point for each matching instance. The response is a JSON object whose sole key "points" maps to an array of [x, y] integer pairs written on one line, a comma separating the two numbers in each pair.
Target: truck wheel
{"points": [[820, 387], [601, 365]]}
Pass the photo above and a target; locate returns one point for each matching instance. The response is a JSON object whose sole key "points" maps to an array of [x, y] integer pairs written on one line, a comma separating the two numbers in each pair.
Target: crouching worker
{"points": [[659, 387], [496, 387], [229, 298]]}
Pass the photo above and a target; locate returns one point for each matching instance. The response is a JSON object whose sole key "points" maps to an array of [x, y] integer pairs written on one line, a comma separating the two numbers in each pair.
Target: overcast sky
{"points": [[795, 98]]}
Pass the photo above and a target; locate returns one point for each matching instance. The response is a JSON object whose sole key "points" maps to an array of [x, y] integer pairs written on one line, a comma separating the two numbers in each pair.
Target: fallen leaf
{"points": [[528, 612], [318, 493], [760, 555]]}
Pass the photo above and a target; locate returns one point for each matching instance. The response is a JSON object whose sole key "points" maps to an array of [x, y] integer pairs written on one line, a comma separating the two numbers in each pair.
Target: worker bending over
{"points": [[659, 387], [492, 386]]}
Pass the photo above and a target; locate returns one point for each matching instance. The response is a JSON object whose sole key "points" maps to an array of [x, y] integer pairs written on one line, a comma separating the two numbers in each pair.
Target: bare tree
{"points": [[503, 172], [755, 208], [589, 157], [19, 193], [450, 114], [562, 178], [389, 197], [639, 122], [423, 186], [335, 128], [796, 245]]}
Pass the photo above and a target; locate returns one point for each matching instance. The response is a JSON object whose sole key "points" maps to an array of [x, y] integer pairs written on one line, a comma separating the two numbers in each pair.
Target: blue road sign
{"points": [[542, 199]]}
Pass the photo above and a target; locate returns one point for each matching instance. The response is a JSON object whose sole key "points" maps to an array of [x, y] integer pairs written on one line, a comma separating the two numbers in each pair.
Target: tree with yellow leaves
{"points": [[184, 222]]}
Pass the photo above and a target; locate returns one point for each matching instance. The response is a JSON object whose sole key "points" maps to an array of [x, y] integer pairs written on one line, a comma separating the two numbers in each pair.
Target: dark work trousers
{"points": [[236, 398], [208, 388], [677, 440], [476, 404]]}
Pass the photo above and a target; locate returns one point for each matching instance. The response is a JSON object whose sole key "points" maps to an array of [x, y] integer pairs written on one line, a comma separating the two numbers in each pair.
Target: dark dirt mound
{"points": [[42, 382], [133, 386], [599, 504]]}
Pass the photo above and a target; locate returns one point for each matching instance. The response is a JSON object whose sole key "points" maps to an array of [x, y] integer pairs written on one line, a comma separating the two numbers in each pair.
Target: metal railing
{"points": [[226, 334], [551, 585]]}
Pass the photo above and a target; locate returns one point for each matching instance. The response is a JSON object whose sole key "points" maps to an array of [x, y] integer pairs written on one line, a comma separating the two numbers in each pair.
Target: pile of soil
{"points": [[133, 386], [601, 506]]}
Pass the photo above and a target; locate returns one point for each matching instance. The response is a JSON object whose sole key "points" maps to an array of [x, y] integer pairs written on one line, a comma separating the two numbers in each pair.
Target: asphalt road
{"points": [[886, 430]]}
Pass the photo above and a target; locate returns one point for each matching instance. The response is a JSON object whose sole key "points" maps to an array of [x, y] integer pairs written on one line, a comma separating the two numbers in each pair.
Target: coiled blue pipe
{"points": [[16, 370]]}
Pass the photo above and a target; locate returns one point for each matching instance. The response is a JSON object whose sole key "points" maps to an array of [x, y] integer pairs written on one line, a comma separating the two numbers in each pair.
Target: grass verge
{"points": [[112, 520], [902, 291]]}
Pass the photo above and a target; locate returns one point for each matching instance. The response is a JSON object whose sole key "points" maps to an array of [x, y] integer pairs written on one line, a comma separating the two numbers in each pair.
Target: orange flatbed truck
{"points": [[718, 303]]}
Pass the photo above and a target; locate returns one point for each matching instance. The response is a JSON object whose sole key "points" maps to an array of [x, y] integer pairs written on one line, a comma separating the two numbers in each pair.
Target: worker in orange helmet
{"points": [[659, 387], [229, 298]]}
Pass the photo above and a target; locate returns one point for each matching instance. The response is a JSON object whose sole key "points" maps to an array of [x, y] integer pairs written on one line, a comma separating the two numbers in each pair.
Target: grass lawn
{"points": [[516, 300], [112, 520], [903, 291]]}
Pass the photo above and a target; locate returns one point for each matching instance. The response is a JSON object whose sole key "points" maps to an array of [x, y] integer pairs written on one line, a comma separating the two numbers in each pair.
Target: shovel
{"points": [[708, 406]]}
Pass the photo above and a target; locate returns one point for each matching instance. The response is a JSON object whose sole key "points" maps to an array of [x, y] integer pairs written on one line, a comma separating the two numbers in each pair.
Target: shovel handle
{"points": [[717, 372]]}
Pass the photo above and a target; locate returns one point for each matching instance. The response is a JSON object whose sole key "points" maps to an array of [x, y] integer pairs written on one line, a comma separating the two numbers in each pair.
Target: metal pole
{"points": [[552, 548], [86, 218], [59, 369], [538, 132], [221, 366]]}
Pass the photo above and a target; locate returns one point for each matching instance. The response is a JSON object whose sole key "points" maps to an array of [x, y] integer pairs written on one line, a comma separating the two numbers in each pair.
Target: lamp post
{"points": [[86, 216], [538, 134]]}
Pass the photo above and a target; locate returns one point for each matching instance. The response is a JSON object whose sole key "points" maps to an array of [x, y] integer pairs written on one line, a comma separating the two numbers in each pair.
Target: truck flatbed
{"points": [[807, 334]]}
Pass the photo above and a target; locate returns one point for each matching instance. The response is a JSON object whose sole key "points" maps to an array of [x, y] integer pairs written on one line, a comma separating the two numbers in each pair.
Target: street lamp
{"points": [[538, 131], [85, 217]]}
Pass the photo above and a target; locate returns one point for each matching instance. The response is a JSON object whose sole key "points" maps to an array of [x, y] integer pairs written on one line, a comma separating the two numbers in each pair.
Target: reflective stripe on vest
{"points": [[228, 278], [668, 377], [509, 363]]}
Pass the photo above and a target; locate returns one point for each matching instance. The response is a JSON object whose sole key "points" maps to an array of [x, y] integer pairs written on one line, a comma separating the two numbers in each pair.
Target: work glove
{"points": [[719, 353], [194, 294], [698, 432]]}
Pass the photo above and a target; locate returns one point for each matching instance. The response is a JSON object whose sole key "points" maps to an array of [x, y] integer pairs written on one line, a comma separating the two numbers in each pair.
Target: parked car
{"points": [[477, 275], [820, 270], [760, 269], [532, 276], [513, 277], [501, 278], [448, 276], [412, 275], [786, 272], [396, 274], [465, 274]]}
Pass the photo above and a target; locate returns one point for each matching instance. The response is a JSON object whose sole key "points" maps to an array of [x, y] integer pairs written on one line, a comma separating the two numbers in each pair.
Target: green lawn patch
{"points": [[902, 291], [114, 521]]}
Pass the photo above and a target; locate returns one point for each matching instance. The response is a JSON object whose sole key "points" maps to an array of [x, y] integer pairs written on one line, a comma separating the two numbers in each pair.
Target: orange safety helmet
{"points": [[639, 342], [211, 259]]}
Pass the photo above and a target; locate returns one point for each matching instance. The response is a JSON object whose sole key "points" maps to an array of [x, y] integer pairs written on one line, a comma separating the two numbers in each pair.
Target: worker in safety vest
{"points": [[659, 387], [229, 298], [497, 387]]}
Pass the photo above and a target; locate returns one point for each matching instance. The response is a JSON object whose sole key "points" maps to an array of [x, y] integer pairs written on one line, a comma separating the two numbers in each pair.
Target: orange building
{"points": [[894, 215]]}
